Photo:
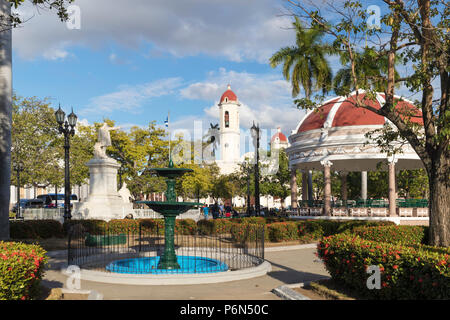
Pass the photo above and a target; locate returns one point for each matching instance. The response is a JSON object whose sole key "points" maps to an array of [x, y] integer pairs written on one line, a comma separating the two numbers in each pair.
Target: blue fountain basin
{"points": [[149, 265]]}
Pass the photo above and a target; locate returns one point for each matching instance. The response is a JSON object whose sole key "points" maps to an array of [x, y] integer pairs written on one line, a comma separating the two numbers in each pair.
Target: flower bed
{"points": [[406, 272], [21, 270]]}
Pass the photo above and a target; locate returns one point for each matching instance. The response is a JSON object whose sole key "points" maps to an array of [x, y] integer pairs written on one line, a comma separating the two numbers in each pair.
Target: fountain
{"points": [[170, 209], [169, 262]]}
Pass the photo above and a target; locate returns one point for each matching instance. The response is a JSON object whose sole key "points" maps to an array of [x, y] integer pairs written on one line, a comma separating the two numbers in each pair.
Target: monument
{"points": [[104, 201]]}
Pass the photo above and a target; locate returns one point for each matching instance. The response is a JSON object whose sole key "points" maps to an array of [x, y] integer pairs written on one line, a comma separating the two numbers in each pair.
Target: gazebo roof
{"points": [[336, 132]]}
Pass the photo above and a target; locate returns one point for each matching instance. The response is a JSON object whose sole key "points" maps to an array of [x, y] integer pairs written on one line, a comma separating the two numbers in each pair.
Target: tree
{"points": [[278, 185], [34, 132], [196, 184], [415, 33], [138, 151], [8, 21], [305, 64]]}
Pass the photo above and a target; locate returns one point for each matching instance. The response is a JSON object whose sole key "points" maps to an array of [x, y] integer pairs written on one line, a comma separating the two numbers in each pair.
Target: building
{"points": [[230, 146]]}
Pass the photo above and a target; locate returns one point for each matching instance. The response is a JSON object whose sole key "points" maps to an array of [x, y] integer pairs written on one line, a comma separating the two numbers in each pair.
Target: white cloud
{"points": [[235, 29], [131, 98], [264, 98]]}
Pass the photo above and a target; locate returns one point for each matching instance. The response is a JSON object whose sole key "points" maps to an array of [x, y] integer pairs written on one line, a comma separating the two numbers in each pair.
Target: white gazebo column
{"points": [[364, 185], [327, 187], [294, 189], [392, 195]]}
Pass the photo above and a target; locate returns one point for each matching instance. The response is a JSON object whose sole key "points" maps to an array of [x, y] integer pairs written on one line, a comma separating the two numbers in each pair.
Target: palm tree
{"points": [[305, 63], [370, 69]]}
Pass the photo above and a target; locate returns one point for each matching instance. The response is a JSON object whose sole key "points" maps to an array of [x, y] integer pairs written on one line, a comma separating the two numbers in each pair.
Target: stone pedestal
{"points": [[104, 201]]}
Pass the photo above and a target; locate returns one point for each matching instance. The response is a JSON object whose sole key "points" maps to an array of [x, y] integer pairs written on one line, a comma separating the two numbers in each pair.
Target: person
{"points": [[215, 210], [206, 211]]}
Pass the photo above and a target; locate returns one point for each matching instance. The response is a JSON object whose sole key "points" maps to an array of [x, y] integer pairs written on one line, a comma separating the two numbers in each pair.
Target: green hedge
{"points": [[21, 270], [36, 229], [407, 235], [406, 272]]}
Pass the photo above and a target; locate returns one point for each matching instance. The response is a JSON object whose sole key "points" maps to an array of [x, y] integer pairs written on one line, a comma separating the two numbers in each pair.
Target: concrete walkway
{"points": [[289, 266]]}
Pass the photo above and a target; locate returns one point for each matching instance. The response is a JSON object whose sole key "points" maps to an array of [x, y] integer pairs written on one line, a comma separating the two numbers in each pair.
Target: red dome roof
{"points": [[230, 95], [341, 111], [280, 136]]}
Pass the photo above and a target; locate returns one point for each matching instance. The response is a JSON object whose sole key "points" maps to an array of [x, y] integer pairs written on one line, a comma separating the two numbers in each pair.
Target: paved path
{"points": [[288, 267]]}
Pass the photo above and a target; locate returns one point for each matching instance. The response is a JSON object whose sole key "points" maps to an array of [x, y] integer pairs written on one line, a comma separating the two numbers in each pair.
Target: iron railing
{"points": [[100, 250]]}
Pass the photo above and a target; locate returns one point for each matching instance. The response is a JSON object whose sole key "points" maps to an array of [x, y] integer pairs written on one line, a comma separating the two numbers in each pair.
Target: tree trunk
{"points": [[439, 202], [5, 121]]}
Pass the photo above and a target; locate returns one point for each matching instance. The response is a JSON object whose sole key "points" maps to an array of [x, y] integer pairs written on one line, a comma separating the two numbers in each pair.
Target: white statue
{"points": [[212, 142], [103, 141]]}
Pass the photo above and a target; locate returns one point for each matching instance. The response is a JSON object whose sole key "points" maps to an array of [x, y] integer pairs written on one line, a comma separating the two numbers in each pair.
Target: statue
{"points": [[212, 142], [103, 141]]}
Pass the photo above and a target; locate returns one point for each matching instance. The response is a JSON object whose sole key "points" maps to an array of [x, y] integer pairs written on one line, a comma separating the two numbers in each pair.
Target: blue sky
{"points": [[133, 63]]}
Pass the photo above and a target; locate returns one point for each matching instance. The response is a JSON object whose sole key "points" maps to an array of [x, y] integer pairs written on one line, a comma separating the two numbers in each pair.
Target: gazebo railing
{"points": [[366, 208]]}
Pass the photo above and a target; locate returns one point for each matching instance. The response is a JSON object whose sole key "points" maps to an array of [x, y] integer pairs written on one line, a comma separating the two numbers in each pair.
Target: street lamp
{"points": [[67, 127], [255, 132], [18, 167]]}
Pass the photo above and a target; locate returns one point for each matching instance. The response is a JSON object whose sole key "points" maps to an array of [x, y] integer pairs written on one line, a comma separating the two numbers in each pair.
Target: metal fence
{"points": [[102, 250]]}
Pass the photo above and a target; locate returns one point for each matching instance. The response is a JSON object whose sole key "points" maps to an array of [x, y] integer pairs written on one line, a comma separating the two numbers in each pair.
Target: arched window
{"points": [[227, 119]]}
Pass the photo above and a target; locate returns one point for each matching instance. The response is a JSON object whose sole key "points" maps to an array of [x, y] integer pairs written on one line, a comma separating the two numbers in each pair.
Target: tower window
{"points": [[227, 119]]}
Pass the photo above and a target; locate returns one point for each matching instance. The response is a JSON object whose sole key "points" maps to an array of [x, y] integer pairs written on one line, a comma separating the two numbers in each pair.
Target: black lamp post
{"points": [[255, 134], [67, 127], [18, 167]]}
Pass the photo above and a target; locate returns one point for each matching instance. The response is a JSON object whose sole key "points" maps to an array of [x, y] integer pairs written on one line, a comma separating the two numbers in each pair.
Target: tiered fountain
{"points": [[169, 262], [170, 209]]}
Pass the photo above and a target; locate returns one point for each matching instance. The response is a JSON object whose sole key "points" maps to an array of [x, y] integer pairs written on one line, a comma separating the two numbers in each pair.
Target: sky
{"points": [[133, 61]]}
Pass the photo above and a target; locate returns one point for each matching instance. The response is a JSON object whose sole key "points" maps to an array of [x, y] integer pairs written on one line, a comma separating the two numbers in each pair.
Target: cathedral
{"points": [[231, 144]]}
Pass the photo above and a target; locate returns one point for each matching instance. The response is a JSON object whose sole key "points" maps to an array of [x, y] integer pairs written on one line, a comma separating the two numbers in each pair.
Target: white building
{"points": [[230, 146]]}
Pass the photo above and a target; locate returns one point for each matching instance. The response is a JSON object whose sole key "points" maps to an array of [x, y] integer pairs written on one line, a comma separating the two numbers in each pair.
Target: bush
{"points": [[21, 230], [216, 226], [36, 229], [406, 272], [152, 225], [282, 231], [243, 232], [21, 270], [123, 226], [185, 226], [407, 235], [90, 226]]}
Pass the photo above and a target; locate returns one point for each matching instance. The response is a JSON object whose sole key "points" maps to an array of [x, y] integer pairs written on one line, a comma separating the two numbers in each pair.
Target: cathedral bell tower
{"points": [[229, 127]]}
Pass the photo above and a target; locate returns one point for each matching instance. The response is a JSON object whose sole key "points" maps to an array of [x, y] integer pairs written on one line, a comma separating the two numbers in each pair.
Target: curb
{"points": [[286, 293], [175, 279]]}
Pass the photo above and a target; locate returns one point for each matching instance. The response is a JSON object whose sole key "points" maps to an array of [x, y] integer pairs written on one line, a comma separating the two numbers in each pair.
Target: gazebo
{"points": [[333, 137]]}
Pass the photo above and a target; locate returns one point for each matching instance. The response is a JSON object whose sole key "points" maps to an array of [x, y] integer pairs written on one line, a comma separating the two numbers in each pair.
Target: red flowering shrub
{"points": [[407, 235], [185, 226], [282, 231], [21, 270], [406, 272], [126, 226], [152, 225], [243, 232]]}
